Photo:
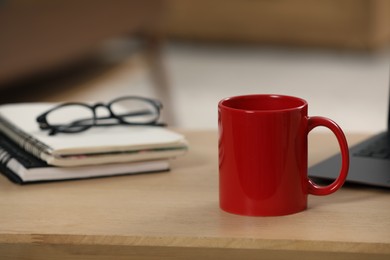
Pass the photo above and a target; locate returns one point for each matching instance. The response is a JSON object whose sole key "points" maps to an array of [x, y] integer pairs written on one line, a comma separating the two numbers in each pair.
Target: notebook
{"points": [[98, 145], [369, 162], [21, 167]]}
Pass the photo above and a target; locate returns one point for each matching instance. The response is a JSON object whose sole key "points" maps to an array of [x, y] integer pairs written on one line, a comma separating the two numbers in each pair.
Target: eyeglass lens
{"points": [[136, 111], [74, 117], [77, 117]]}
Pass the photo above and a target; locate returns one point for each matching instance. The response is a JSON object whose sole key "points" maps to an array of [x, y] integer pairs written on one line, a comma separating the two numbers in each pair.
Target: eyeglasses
{"points": [[76, 117]]}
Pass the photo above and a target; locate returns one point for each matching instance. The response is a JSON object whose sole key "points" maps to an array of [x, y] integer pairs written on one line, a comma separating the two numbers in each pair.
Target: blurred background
{"points": [[190, 54]]}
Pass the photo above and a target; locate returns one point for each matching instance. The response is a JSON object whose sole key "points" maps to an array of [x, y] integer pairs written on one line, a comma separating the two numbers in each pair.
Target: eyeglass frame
{"points": [[54, 129]]}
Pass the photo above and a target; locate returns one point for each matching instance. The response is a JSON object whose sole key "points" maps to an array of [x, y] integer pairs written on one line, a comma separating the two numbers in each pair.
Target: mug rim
{"points": [[303, 104]]}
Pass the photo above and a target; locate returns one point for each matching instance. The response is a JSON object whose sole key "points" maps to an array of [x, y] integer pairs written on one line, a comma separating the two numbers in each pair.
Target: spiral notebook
{"points": [[99, 145], [21, 167]]}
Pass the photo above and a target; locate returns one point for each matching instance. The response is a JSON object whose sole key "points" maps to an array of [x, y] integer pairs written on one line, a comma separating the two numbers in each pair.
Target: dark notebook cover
{"points": [[39, 171], [9, 150]]}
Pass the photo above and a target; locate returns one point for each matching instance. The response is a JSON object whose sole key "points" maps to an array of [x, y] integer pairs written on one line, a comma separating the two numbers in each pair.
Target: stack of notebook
{"points": [[29, 154]]}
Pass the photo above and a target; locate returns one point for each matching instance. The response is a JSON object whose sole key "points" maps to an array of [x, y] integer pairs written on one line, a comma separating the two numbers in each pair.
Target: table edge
{"points": [[197, 242]]}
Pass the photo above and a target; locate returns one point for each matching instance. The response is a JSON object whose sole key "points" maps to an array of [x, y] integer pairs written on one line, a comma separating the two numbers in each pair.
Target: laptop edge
{"points": [[363, 170]]}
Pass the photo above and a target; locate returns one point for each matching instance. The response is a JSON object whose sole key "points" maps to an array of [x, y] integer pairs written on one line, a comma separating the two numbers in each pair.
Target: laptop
{"points": [[369, 162]]}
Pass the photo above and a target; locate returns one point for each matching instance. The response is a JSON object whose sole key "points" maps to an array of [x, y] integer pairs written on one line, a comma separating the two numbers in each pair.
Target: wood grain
{"points": [[176, 215]]}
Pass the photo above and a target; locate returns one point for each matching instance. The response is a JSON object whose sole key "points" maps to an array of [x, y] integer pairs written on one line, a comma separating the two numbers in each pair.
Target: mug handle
{"points": [[315, 189]]}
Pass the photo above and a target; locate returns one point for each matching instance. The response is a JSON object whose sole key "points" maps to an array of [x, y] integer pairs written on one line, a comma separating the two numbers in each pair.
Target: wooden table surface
{"points": [[175, 215]]}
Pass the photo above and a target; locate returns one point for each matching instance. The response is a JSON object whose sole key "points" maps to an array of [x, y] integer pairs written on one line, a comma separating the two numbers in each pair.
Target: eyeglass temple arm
{"points": [[138, 113]]}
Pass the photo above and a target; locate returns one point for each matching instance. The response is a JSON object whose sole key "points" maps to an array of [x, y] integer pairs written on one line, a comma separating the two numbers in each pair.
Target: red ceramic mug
{"points": [[263, 155]]}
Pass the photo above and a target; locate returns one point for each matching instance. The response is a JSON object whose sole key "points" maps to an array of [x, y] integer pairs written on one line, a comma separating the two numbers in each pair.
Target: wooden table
{"points": [[175, 215]]}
